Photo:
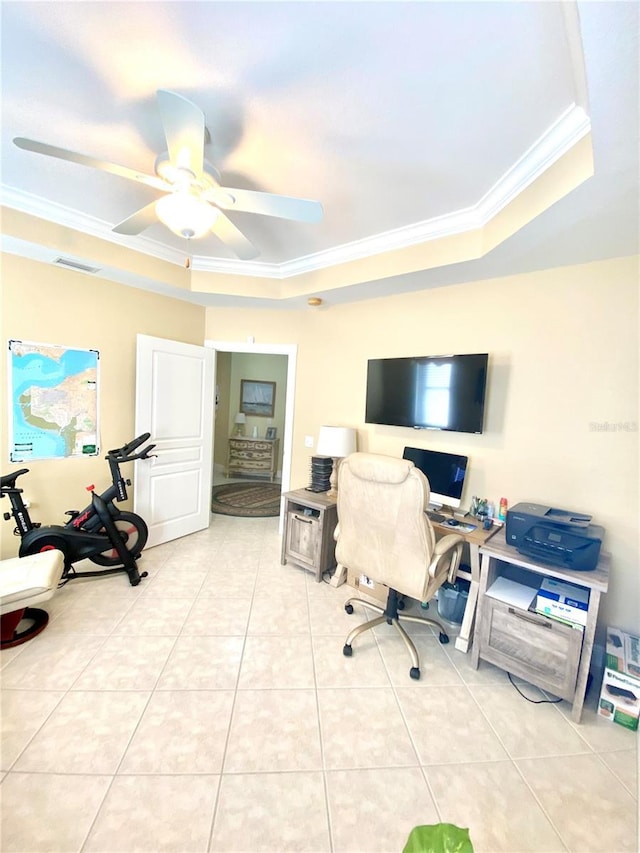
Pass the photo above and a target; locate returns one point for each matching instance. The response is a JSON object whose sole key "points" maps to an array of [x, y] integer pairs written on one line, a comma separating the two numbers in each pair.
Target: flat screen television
{"points": [[444, 471], [428, 392]]}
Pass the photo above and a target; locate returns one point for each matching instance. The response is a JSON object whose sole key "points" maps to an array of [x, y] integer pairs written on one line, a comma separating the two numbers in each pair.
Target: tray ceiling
{"points": [[410, 122]]}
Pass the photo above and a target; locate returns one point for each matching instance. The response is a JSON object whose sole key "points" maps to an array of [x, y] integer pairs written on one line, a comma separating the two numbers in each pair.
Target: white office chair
{"points": [[384, 533], [25, 581]]}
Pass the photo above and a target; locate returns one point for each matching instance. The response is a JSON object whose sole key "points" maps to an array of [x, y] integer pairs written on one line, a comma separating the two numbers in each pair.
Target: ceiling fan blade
{"points": [[138, 221], [267, 204], [83, 160], [183, 124], [231, 236]]}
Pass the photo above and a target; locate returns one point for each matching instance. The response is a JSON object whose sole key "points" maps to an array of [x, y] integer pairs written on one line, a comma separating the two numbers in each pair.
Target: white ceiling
{"points": [[401, 118]]}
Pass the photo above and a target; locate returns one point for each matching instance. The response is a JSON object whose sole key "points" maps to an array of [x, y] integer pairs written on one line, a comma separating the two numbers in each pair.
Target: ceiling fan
{"points": [[194, 200]]}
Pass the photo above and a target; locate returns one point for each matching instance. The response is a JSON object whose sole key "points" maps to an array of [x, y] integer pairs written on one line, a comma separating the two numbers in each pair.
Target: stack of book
{"points": [[321, 467]]}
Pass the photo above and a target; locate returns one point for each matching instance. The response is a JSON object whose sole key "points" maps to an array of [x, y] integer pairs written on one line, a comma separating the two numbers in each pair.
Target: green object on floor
{"points": [[438, 838]]}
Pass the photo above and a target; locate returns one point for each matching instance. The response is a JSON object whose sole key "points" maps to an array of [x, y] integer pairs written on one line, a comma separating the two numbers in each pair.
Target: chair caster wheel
{"points": [[144, 574], [401, 605], [349, 608], [444, 638], [347, 651], [414, 672]]}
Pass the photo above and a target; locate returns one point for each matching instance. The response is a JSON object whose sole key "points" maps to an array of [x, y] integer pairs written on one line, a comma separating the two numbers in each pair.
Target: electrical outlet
{"points": [[308, 441]]}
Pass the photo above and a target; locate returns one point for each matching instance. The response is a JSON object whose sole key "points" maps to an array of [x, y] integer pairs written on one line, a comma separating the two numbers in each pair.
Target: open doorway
{"points": [[269, 364], [243, 375]]}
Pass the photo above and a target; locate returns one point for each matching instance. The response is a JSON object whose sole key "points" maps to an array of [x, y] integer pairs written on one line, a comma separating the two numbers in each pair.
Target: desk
{"points": [[544, 651], [474, 539]]}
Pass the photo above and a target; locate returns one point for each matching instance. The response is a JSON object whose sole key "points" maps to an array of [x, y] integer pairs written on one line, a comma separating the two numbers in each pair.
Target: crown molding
{"points": [[570, 127], [51, 211]]}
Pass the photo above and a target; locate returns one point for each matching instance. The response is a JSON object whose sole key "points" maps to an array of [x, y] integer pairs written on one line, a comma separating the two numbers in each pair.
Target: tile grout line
{"points": [[222, 773], [115, 773], [325, 780]]}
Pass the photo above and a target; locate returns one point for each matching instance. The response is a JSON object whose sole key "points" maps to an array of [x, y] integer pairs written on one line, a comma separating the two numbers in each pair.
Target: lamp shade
{"points": [[336, 441], [240, 418]]}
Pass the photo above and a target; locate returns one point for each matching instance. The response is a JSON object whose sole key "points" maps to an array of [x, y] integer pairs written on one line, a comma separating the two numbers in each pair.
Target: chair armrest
{"points": [[446, 556], [447, 543]]}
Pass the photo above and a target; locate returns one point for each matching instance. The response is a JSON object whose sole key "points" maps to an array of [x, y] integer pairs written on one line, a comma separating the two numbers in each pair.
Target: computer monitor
{"points": [[445, 473]]}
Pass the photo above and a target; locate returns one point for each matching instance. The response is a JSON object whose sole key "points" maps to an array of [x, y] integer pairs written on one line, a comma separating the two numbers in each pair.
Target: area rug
{"points": [[248, 500]]}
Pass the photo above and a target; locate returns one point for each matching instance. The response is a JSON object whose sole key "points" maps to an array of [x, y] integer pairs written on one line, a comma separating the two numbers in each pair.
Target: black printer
{"points": [[555, 536]]}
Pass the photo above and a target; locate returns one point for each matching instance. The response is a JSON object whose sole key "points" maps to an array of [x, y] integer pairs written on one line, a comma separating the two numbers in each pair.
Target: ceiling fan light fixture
{"points": [[173, 173], [186, 214]]}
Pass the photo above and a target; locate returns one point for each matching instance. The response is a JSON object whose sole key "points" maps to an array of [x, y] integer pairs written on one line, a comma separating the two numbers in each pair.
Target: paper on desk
{"points": [[512, 592]]}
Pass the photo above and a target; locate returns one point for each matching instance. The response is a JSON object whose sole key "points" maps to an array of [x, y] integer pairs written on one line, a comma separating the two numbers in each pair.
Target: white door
{"points": [[175, 402]]}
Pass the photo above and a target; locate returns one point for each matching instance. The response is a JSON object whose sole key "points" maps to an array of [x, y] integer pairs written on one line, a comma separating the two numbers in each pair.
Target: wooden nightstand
{"points": [[257, 457], [310, 520]]}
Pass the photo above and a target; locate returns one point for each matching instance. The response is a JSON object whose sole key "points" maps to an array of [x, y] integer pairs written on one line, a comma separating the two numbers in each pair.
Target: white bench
{"points": [[25, 581]]}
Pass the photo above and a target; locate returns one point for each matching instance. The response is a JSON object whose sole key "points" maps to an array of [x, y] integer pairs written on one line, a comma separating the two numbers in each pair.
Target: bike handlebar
{"points": [[144, 454], [127, 449], [124, 454]]}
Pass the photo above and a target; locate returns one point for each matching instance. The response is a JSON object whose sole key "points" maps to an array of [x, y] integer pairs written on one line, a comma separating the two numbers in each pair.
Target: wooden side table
{"points": [[310, 520]]}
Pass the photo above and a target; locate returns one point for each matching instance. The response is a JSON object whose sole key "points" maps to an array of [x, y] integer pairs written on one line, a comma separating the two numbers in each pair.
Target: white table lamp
{"points": [[336, 442], [240, 421]]}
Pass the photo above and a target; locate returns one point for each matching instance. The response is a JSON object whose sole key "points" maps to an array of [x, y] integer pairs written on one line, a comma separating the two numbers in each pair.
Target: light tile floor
{"points": [[211, 709]]}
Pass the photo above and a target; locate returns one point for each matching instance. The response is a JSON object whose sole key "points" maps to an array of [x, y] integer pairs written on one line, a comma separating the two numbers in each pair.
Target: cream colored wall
{"points": [[267, 368], [43, 303], [223, 412], [563, 347]]}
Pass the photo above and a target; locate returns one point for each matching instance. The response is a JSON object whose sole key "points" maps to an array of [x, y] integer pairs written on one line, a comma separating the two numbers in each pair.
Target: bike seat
{"points": [[9, 480]]}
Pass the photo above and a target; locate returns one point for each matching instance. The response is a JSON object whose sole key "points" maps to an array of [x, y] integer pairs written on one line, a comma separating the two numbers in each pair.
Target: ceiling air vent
{"points": [[76, 265]]}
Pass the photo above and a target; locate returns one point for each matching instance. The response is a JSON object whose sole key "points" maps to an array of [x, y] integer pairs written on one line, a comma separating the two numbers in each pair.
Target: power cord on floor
{"points": [[533, 701]]}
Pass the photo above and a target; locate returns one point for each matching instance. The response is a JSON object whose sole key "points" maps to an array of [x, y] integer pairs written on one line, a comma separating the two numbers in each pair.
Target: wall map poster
{"points": [[53, 406]]}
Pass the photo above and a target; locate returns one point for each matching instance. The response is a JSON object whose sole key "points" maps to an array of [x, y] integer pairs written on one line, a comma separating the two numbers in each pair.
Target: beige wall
{"points": [[43, 303], [268, 368], [223, 410], [563, 347]]}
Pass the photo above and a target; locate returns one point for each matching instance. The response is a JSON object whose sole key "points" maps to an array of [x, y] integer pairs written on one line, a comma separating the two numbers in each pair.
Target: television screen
{"points": [[428, 392]]}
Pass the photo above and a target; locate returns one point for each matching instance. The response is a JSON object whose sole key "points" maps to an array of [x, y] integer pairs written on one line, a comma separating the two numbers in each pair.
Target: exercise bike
{"points": [[100, 532]]}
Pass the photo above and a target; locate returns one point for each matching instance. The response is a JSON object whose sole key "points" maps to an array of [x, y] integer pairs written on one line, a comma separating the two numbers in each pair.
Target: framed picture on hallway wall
{"points": [[271, 433], [257, 398]]}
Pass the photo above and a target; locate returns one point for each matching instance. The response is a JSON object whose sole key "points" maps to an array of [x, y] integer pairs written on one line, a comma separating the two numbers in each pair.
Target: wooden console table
{"points": [[546, 652], [255, 456]]}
